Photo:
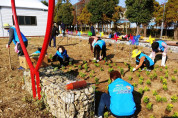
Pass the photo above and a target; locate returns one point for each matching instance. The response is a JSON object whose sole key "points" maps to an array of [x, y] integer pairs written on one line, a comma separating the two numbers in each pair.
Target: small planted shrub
{"points": [[93, 71], [56, 68], [74, 66], [125, 63], [79, 67], [155, 93], [50, 56], [105, 59], [169, 107], [122, 71], [140, 90], [138, 74], [175, 71], [110, 65], [110, 70], [146, 99], [166, 67], [101, 69], [106, 114], [96, 80], [161, 69], [173, 79], [155, 76], [152, 116], [141, 78], [84, 62], [63, 67], [140, 81], [175, 115], [134, 85], [106, 63], [94, 61], [165, 81], [130, 78], [149, 106], [158, 98], [146, 88], [91, 75], [139, 70], [147, 73], [164, 99], [166, 75], [114, 64], [86, 67], [165, 87], [97, 65], [151, 77], [131, 68], [174, 98], [70, 63], [148, 81], [82, 74], [161, 78], [109, 81]]}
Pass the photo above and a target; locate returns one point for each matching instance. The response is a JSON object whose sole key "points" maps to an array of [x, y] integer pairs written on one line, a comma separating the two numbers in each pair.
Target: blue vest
{"points": [[147, 57], [122, 100], [101, 43], [160, 45], [16, 39], [61, 55]]}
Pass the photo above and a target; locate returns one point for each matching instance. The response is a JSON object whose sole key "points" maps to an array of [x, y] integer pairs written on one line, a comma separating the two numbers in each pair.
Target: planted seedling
{"points": [[174, 98], [82, 74], [148, 82], [152, 116], [146, 88], [161, 69], [164, 99], [84, 62], [155, 93], [140, 90], [130, 78], [175, 115], [106, 114], [134, 85], [109, 81], [175, 71], [147, 72], [131, 69], [141, 78], [125, 63], [79, 67], [166, 75], [122, 71], [109, 65], [158, 98], [93, 71], [101, 69], [74, 65], [139, 70], [86, 67], [156, 66], [50, 56], [138, 74], [70, 63], [149, 106], [161, 78], [165, 81], [114, 64], [96, 80], [56, 68], [110, 70], [94, 61], [166, 67], [169, 107], [173, 79], [154, 75], [63, 67], [140, 81], [97, 65], [91, 75], [106, 63], [105, 59], [151, 77], [146, 99], [165, 87]]}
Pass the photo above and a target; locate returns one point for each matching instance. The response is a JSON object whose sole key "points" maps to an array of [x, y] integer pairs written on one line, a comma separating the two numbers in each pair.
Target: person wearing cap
{"points": [[13, 37], [142, 60], [99, 45], [119, 101], [159, 46], [61, 56]]}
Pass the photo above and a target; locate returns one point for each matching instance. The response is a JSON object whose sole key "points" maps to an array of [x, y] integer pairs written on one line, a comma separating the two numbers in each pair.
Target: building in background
{"points": [[32, 17]]}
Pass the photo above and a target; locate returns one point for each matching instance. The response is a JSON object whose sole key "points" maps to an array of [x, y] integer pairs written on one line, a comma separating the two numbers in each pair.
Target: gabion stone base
{"points": [[63, 103]]}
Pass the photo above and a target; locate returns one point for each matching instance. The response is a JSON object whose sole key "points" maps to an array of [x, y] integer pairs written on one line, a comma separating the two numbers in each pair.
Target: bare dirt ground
{"points": [[15, 102]]}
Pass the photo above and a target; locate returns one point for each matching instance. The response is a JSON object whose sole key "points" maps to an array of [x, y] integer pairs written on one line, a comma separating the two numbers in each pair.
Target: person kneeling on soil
{"points": [[142, 60], [120, 100], [61, 55], [159, 46], [99, 45]]}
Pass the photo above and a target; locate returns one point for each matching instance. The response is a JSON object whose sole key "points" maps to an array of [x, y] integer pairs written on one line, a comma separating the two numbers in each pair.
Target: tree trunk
{"points": [[176, 32], [138, 29], [144, 26]]}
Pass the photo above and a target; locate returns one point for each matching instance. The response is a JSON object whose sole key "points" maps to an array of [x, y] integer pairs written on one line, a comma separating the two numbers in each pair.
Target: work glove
{"points": [[7, 46], [134, 69]]}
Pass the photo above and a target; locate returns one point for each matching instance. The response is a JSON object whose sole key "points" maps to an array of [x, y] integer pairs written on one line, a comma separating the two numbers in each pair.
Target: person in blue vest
{"points": [[142, 60], [120, 100], [13, 37], [159, 46], [99, 45], [61, 56]]}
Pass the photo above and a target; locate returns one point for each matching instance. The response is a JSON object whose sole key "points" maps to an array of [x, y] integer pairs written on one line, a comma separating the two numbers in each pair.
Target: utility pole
{"points": [[162, 26]]}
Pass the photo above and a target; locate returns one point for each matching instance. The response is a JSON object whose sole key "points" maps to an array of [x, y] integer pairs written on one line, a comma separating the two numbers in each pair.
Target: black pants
{"points": [[97, 50], [63, 61], [20, 48], [54, 41], [146, 63]]}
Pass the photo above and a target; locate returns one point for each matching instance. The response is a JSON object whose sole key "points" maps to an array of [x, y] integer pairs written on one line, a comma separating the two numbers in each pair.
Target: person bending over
{"points": [[61, 55], [120, 100], [159, 46], [142, 60]]}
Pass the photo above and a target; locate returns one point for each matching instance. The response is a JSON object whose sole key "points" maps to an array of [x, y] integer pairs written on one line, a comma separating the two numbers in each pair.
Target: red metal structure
{"points": [[35, 70]]}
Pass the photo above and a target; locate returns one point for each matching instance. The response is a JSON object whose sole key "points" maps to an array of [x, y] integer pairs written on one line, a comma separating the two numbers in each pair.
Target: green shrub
{"points": [[166, 75], [148, 82], [158, 98], [82, 74], [134, 85], [105, 59], [175, 71], [165, 81], [74, 65], [149, 106], [161, 69], [140, 81], [70, 63], [139, 70], [141, 78], [152, 116], [84, 62], [151, 77], [173, 79], [114, 64], [146, 99], [110, 65], [94, 61], [175, 115], [166, 67], [174, 98], [109, 81], [106, 63], [122, 71], [86, 67], [130, 78], [93, 71], [97, 64], [138, 74], [161, 78], [56, 68], [106, 114], [155, 75], [155, 93], [50, 56], [91, 75], [96, 80], [147, 72], [146, 88], [169, 107], [63, 67], [79, 67], [140, 90], [165, 87], [164, 99], [101, 69], [131, 68], [110, 70]]}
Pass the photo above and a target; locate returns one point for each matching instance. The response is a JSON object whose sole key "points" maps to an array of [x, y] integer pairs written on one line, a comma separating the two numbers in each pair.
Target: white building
{"points": [[32, 17]]}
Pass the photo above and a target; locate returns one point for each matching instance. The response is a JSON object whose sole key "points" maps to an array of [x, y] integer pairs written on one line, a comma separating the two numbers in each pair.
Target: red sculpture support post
{"points": [[35, 71]]}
